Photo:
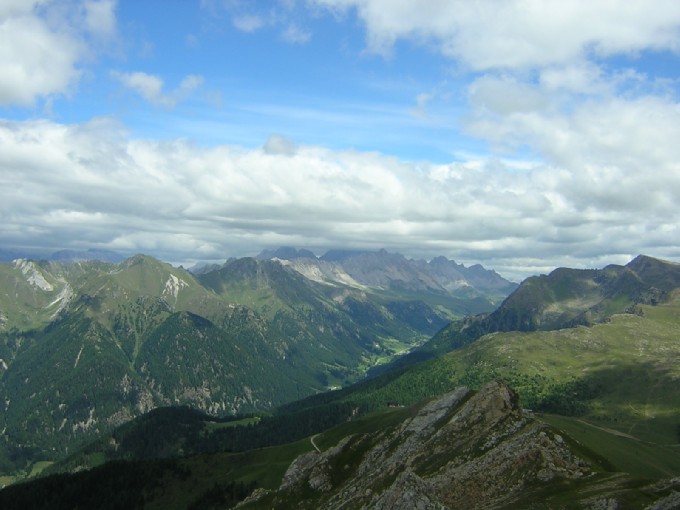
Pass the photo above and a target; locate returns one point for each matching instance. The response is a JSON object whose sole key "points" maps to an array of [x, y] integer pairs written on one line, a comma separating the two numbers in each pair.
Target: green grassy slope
{"points": [[620, 375], [565, 298], [87, 346], [623, 373]]}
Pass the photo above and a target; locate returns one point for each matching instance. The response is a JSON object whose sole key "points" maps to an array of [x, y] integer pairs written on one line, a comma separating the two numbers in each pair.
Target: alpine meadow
{"points": [[340, 254]]}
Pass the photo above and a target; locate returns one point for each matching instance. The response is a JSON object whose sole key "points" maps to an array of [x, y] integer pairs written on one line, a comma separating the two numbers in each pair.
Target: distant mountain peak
{"points": [[383, 270]]}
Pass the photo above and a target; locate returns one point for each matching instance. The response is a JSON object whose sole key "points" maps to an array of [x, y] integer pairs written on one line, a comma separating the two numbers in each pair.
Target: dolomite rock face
{"points": [[463, 450]]}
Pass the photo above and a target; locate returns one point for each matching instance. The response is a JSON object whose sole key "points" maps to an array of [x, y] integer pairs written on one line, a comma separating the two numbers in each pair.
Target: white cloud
{"points": [[35, 61], [296, 35], [578, 78], [506, 95], [422, 101], [42, 44], [519, 34], [100, 17], [250, 17], [10, 8], [93, 185], [150, 87], [248, 22], [188, 84], [596, 177], [277, 144], [625, 133]]}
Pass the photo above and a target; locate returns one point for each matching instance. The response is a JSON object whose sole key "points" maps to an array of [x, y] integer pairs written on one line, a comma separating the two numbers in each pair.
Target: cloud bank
{"points": [[94, 184], [581, 166]]}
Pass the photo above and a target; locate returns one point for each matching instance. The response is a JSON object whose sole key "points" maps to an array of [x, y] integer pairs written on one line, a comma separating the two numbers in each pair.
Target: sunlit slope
{"points": [[622, 374], [566, 298]]}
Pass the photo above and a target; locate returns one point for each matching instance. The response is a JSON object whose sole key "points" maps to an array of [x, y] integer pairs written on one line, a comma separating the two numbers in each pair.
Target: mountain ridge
{"points": [[464, 449], [461, 450], [566, 298], [384, 270], [262, 334], [610, 380]]}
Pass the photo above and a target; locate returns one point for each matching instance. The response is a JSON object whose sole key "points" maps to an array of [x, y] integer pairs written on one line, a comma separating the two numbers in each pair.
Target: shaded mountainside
{"points": [[619, 374], [88, 345], [464, 449]]}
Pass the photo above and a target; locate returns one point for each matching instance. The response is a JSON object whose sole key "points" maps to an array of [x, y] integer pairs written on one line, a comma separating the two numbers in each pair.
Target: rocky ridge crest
{"points": [[462, 450]]}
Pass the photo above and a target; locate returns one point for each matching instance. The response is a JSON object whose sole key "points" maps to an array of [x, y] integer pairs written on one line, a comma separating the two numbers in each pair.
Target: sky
{"points": [[520, 134]]}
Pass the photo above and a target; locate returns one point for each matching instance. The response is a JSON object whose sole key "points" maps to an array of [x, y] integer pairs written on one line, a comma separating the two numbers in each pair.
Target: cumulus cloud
{"points": [[627, 133], [506, 95], [34, 60], [583, 168], [606, 171], [94, 185], [516, 34], [151, 87], [42, 45]]}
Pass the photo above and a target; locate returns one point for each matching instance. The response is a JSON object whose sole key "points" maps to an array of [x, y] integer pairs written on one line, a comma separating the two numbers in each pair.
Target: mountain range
{"points": [[564, 396], [88, 345], [393, 271]]}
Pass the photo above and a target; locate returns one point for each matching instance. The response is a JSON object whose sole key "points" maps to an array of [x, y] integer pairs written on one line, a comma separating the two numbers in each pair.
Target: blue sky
{"points": [[524, 135], [321, 87]]}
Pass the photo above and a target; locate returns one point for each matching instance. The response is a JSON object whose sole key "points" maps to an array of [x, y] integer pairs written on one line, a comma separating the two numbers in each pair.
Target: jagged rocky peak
{"points": [[383, 270], [464, 450]]}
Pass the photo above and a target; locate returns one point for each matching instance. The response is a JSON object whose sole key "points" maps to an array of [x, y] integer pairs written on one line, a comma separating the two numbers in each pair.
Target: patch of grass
{"points": [[8, 480], [568, 494], [372, 422], [626, 454], [211, 426], [265, 467], [39, 467]]}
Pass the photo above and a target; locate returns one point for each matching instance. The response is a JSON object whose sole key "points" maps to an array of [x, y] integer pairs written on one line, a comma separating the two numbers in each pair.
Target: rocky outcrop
{"points": [[465, 450]]}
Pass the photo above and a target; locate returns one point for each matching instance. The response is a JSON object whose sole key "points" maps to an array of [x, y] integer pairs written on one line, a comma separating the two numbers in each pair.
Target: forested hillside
{"points": [[86, 346]]}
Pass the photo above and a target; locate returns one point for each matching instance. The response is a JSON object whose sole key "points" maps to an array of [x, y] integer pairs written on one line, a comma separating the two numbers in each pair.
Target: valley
{"points": [[573, 376], [88, 345]]}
